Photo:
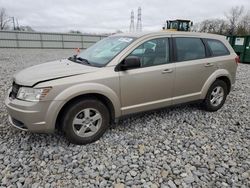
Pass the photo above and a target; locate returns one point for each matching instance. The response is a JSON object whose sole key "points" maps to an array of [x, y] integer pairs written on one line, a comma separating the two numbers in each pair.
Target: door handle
{"points": [[209, 64], [167, 71]]}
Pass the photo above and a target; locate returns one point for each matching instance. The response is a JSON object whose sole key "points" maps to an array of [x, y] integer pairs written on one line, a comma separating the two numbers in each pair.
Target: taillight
{"points": [[237, 59]]}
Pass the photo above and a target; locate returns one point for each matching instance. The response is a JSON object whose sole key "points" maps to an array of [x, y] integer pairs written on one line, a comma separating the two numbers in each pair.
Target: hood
{"points": [[51, 70]]}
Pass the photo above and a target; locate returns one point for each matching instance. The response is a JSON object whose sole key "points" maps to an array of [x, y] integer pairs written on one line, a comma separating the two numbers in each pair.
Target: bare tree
{"points": [[235, 23], [233, 17], [222, 26], [203, 26], [218, 26], [196, 27], [4, 19], [244, 25]]}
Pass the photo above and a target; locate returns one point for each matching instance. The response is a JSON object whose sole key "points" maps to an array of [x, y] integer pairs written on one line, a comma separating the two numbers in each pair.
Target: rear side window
{"points": [[217, 47], [189, 49]]}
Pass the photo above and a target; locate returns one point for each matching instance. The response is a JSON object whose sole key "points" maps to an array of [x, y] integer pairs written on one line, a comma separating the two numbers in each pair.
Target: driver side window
{"points": [[153, 52]]}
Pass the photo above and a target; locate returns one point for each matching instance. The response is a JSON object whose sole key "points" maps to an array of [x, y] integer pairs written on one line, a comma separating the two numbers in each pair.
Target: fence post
{"points": [[62, 41], [82, 41], [17, 40]]}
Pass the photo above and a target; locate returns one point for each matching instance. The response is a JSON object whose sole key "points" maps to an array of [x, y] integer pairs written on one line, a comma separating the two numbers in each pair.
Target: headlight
{"points": [[32, 94]]}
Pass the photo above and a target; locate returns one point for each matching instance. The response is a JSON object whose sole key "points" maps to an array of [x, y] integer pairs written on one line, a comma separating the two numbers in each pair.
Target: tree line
{"points": [[236, 22]]}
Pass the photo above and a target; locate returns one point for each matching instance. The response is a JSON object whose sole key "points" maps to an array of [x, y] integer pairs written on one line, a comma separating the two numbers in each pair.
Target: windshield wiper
{"points": [[83, 60], [77, 59]]}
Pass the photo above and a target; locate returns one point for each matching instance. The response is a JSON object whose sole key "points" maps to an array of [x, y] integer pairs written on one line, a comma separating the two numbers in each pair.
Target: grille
{"points": [[14, 91]]}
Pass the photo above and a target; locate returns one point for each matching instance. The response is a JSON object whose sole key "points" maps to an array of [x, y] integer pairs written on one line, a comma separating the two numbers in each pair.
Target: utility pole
{"points": [[132, 25], [17, 27], [139, 24], [13, 21]]}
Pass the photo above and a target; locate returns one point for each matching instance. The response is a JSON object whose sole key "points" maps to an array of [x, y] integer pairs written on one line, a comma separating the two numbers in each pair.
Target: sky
{"points": [[99, 16]]}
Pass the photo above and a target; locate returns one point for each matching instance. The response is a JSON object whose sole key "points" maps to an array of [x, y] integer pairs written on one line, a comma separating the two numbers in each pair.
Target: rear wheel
{"points": [[216, 96], [85, 121]]}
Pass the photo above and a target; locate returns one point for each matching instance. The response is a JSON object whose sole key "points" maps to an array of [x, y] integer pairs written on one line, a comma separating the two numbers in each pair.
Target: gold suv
{"points": [[120, 75]]}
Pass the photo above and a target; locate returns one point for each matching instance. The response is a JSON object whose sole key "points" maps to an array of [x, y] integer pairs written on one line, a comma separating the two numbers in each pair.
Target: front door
{"points": [[151, 85]]}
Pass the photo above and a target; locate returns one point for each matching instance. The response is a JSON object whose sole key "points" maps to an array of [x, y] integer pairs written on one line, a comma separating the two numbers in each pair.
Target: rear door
{"points": [[192, 68]]}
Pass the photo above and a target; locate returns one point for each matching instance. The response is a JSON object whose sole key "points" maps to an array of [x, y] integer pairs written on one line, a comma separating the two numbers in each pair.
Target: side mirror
{"points": [[130, 62]]}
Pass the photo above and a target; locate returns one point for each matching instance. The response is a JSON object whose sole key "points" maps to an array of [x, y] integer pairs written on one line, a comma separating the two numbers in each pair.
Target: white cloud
{"points": [[111, 15]]}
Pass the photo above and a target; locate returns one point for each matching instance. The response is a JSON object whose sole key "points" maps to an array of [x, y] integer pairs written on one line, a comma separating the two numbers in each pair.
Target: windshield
{"points": [[105, 50]]}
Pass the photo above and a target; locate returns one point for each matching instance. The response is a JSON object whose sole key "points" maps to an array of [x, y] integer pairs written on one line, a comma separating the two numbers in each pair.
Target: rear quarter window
{"points": [[217, 47]]}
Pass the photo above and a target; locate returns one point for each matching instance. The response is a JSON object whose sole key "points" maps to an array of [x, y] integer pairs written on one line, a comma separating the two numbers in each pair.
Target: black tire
{"points": [[74, 109], [207, 104]]}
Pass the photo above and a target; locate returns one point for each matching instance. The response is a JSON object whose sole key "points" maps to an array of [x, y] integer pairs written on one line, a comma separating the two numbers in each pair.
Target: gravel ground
{"points": [[174, 147]]}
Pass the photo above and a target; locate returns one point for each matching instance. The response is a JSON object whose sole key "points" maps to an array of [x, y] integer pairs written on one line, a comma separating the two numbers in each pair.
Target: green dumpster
{"points": [[241, 45]]}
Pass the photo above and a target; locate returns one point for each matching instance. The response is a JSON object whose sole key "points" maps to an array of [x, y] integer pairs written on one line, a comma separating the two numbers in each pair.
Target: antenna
{"points": [[132, 25], [139, 24]]}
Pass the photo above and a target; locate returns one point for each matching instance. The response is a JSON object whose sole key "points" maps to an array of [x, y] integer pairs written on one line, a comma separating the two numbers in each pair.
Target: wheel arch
{"points": [[227, 81], [221, 74], [98, 91], [97, 96]]}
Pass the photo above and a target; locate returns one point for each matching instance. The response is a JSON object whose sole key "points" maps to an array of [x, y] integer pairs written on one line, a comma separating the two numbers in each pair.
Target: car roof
{"points": [[151, 34]]}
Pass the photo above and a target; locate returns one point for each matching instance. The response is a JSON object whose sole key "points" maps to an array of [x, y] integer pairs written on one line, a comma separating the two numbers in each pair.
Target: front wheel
{"points": [[85, 121], [216, 96]]}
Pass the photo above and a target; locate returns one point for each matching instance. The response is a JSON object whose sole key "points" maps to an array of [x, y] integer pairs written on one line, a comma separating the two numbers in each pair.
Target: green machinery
{"points": [[241, 45], [178, 25]]}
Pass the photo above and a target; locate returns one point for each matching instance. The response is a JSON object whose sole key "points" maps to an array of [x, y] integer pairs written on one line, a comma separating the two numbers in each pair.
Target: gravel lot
{"points": [[174, 147]]}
